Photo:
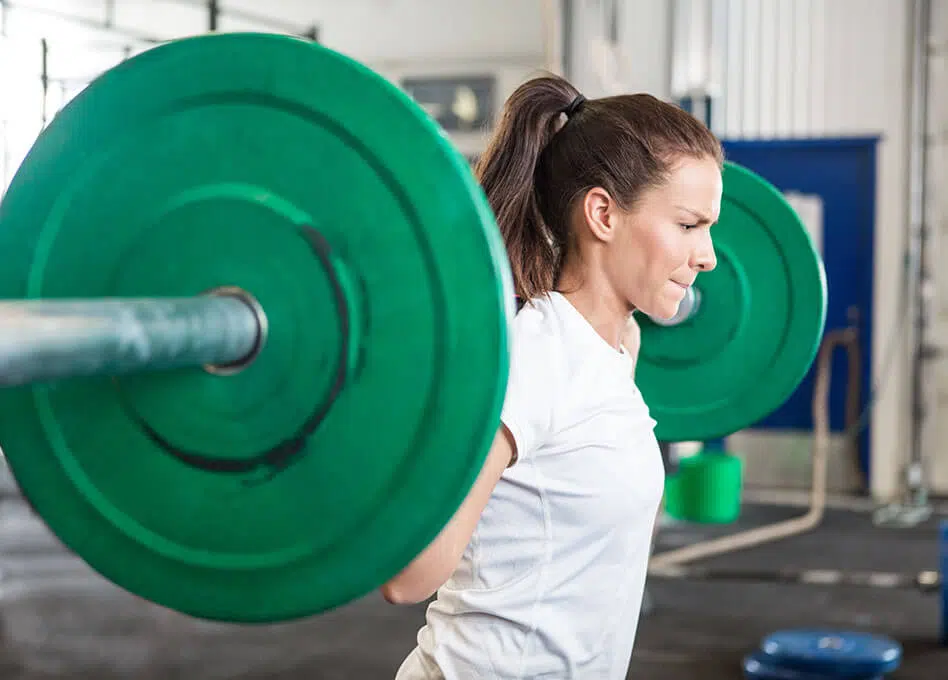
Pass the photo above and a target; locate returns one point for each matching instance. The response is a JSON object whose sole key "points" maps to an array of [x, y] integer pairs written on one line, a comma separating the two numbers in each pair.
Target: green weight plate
{"points": [[294, 173], [757, 328]]}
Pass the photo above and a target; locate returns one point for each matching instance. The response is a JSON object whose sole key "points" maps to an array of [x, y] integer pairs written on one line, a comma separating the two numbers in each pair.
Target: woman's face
{"points": [[665, 241]]}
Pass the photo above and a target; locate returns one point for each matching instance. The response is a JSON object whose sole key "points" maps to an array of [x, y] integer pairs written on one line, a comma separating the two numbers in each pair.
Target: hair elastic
{"points": [[574, 106]]}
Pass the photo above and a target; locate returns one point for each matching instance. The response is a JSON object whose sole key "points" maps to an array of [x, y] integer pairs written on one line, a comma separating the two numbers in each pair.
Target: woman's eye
{"points": [[689, 226]]}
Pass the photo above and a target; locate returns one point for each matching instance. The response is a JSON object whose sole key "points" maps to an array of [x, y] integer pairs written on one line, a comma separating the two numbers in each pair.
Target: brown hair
{"points": [[623, 144]]}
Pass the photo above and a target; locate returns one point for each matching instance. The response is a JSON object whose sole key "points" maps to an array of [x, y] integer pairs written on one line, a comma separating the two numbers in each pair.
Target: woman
{"points": [[605, 206]]}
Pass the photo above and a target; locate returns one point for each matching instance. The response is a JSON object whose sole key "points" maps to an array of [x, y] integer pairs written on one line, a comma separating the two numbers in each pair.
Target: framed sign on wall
{"points": [[458, 103]]}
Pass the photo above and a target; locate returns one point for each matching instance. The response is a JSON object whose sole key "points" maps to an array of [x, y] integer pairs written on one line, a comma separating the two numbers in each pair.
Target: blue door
{"points": [[842, 173]]}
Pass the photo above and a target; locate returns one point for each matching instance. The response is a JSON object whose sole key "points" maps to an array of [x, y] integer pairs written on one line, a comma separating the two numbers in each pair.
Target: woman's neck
{"points": [[605, 311]]}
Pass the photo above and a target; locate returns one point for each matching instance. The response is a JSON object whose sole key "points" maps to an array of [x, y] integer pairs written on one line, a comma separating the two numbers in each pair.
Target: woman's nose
{"points": [[703, 258]]}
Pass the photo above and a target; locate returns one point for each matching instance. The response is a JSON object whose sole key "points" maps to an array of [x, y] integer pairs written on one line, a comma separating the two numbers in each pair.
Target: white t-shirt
{"points": [[551, 583]]}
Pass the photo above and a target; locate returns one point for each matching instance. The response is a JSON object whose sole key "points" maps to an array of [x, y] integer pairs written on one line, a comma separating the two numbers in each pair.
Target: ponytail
{"points": [[507, 170]]}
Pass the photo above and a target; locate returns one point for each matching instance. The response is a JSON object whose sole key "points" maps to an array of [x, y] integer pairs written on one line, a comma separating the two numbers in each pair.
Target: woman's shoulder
{"points": [[537, 328]]}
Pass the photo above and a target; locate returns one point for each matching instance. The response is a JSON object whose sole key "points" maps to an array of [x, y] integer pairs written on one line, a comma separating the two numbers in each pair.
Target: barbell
{"points": [[254, 329]]}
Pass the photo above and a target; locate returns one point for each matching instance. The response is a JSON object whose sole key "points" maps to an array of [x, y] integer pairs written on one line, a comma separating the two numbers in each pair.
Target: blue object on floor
{"points": [[756, 667], [832, 654]]}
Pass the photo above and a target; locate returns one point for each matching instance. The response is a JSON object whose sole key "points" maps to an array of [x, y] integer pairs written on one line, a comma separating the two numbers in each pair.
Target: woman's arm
{"points": [[420, 579]]}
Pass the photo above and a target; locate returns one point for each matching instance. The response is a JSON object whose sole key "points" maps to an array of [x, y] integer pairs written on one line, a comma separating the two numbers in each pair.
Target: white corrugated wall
{"points": [[813, 68]]}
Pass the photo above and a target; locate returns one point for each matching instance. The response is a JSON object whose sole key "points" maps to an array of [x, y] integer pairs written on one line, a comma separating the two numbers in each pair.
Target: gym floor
{"points": [[59, 621]]}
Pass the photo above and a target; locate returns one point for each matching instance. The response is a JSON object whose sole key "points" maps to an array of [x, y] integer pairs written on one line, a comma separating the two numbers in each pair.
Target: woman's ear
{"points": [[600, 214]]}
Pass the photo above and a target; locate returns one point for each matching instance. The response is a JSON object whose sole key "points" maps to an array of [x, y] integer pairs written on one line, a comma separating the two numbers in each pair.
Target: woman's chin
{"points": [[662, 312]]}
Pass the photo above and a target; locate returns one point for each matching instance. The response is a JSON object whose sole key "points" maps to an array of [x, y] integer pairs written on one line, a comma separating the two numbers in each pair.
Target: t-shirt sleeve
{"points": [[531, 387]]}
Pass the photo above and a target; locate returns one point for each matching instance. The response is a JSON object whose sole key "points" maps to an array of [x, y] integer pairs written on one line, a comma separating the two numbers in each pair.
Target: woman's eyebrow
{"points": [[701, 218]]}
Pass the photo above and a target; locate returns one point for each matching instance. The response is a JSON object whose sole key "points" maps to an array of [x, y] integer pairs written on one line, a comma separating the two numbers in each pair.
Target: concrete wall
{"points": [[398, 38], [374, 31]]}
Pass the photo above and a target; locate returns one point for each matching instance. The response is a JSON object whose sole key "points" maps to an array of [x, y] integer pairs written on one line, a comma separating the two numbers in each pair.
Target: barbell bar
{"points": [[57, 339], [925, 581], [221, 332], [254, 326], [687, 309]]}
